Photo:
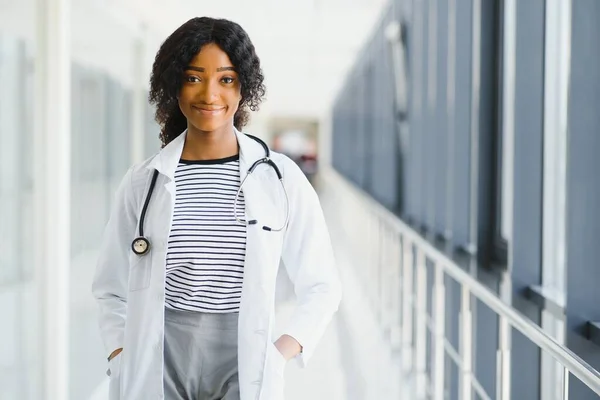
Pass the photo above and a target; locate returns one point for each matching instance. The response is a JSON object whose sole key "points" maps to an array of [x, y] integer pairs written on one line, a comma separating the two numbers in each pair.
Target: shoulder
{"points": [[295, 181], [289, 169], [140, 171]]}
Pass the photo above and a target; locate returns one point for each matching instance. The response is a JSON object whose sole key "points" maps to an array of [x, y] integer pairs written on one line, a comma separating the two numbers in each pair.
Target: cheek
{"points": [[184, 108], [234, 101], [238, 94], [184, 99]]}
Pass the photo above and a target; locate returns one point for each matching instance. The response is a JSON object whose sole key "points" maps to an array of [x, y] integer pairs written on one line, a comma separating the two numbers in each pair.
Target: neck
{"points": [[200, 145]]}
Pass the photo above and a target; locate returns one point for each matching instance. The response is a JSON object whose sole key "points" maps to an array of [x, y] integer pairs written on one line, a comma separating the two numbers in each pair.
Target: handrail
{"points": [[569, 360]]}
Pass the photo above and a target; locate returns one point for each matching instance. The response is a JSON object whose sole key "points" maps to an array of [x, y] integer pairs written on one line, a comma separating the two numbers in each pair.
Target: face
{"points": [[210, 92]]}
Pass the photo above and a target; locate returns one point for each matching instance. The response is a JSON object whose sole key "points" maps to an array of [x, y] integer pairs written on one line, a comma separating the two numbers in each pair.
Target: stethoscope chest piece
{"points": [[140, 246]]}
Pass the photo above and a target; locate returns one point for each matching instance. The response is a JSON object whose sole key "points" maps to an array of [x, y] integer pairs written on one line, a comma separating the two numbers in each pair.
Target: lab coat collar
{"points": [[167, 159]]}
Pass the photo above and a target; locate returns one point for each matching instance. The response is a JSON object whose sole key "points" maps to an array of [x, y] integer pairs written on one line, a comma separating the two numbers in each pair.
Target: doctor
{"points": [[186, 276]]}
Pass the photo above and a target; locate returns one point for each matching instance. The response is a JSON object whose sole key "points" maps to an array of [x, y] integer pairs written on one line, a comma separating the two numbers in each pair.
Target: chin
{"points": [[210, 126]]}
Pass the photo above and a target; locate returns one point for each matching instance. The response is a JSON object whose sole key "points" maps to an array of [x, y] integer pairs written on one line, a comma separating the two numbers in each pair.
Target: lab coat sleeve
{"points": [[112, 271], [308, 258]]}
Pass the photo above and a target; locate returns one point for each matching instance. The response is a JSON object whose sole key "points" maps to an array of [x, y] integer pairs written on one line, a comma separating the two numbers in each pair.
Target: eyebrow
{"points": [[201, 69]]}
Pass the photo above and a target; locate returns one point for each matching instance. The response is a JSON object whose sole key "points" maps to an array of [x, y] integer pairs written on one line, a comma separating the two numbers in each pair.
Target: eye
{"points": [[227, 80], [192, 79]]}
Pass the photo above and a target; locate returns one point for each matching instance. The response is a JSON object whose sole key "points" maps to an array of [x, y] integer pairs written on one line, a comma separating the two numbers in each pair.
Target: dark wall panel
{"points": [[384, 171], [488, 127], [462, 123], [583, 187], [440, 146], [416, 115], [452, 298], [528, 145], [428, 124]]}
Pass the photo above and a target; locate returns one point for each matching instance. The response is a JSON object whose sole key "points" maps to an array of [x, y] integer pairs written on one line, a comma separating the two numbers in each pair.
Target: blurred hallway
{"points": [[454, 145]]}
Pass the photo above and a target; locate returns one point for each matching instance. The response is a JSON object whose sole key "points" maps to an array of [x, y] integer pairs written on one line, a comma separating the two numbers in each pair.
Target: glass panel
{"points": [[18, 302]]}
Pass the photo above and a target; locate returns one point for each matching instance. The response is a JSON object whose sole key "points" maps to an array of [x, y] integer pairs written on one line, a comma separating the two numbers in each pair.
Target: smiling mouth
{"points": [[209, 110]]}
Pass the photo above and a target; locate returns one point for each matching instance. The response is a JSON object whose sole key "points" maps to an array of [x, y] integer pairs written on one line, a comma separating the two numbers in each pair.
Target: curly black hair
{"points": [[177, 52]]}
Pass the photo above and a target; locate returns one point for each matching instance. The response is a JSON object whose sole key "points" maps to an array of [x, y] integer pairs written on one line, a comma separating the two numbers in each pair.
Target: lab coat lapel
{"points": [[255, 323], [250, 152], [166, 161]]}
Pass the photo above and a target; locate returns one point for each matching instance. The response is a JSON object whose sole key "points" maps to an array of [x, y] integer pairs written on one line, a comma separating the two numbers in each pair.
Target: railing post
{"points": [[439, 297], [372, 260], [387, 280], [381, 276], [466, 342], [396, 264], [504, 344], [565, 384], [421, 328], [503, 360], [407, 309]]}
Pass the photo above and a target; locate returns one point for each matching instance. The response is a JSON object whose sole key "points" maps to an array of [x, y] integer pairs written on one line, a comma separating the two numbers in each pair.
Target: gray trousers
{"points": [[200, 356]]}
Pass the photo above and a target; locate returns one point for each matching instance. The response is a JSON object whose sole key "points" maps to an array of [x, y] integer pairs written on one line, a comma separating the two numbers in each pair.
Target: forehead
{"points": [[211, 57]]}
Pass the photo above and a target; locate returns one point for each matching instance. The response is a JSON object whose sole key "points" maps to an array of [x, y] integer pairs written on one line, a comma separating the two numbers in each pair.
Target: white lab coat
{"points": [[130, 289]]}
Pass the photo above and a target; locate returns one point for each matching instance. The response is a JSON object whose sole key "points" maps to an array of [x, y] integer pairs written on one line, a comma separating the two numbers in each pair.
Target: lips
{"points": [[209, 110]]}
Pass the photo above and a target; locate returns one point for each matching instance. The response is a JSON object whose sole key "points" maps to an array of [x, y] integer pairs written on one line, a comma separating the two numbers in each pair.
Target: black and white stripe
{"points": [[207, 246]]}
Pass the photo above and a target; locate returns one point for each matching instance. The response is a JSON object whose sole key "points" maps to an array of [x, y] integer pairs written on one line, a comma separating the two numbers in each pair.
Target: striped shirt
{"points": [[207, 246]]}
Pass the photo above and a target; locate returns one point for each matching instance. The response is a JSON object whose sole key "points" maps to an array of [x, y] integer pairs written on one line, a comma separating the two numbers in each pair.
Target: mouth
{"points": [[209, 111]]}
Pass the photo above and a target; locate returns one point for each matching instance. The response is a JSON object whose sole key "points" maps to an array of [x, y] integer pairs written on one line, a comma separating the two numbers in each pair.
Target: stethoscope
{"points": [[141, 244]]}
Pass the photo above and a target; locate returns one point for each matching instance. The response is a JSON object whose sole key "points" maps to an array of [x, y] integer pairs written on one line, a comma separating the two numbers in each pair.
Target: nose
{"points": [[209, 92]]}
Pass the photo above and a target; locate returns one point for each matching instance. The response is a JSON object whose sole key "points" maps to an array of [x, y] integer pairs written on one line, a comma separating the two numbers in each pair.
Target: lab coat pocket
{"points": [[139, 273], [114, 372], [277, 360], [274, 381]]}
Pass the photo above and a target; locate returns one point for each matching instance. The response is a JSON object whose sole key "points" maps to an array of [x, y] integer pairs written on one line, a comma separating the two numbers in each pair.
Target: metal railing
{"points": [[397, 286]]}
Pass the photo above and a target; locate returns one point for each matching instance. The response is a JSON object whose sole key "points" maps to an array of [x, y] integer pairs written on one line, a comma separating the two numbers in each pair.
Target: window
{"points": [[19, 365]]}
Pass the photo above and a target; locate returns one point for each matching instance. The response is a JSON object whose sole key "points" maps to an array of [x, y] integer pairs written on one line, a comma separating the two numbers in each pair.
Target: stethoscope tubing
{"points": [[141, 244], [147, 202]]}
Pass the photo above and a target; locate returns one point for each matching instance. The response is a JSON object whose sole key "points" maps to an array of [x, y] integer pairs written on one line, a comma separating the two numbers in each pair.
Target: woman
{"points": [[187, 309]]}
